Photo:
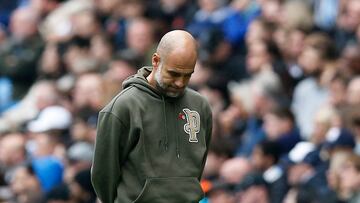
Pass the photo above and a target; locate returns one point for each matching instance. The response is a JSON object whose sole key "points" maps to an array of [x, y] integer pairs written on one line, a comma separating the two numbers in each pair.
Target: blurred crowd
{"points": [[282, 78]]}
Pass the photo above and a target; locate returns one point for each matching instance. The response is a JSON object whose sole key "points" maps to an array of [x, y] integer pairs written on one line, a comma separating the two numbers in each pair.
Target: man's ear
{"points": [[155, 60]]}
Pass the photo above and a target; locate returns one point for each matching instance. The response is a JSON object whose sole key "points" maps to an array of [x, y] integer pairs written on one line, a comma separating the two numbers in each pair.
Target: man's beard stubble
{"points": [[163, 87]]}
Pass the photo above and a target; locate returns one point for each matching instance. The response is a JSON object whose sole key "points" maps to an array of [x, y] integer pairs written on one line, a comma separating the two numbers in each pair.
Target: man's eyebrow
{"points": [[176, 72]]}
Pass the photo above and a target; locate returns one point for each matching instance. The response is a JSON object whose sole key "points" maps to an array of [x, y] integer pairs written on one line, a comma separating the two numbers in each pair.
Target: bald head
{"points": [[24, 22], [178, 41], [173, 63]]}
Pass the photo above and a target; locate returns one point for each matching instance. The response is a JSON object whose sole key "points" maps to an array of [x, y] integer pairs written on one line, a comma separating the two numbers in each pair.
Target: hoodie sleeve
{"points": [[106, 168], [209, 127]]}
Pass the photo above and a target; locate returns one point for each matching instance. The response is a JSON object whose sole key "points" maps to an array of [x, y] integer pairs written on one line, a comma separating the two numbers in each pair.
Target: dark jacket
{"points": [[144, 152], [19, 61]]}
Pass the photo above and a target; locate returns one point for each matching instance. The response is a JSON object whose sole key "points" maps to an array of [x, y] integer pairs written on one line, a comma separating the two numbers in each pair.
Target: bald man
{"points": [[153, 137]]}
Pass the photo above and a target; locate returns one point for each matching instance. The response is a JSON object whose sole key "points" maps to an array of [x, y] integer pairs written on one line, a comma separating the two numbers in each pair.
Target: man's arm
{"points": [[208, 139], [106, 168]]}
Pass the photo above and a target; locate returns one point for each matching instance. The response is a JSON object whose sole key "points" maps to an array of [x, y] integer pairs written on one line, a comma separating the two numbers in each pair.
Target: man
{"points": [[153, 137], [21, 51]]}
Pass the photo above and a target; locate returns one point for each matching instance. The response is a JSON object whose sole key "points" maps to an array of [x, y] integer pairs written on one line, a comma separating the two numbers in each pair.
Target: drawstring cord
{"points": [[166, 135], [177, 144]]}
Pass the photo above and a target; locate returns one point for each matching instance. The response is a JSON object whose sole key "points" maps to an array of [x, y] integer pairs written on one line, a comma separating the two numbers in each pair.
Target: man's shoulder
{"points": [[194, 94], [122, 100], [196, 97]]}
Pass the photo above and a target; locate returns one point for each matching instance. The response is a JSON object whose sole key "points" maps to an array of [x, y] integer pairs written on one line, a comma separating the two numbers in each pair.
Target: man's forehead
{"points": [[185, 70]]}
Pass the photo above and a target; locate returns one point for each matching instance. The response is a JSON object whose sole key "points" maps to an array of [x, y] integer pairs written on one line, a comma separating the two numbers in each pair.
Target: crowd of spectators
{"points": [[282, 78]]}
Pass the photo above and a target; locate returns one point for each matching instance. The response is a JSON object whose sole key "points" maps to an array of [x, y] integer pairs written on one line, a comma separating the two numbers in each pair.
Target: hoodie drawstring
{"points": [[177, 145], [166, 134]]}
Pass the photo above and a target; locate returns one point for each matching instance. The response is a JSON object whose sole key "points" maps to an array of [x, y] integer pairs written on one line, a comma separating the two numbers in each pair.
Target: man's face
{"points": [[172, 76]]}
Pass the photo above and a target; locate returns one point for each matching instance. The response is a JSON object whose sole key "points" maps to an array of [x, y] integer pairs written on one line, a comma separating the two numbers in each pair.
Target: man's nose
{"points": [[180, 83]]}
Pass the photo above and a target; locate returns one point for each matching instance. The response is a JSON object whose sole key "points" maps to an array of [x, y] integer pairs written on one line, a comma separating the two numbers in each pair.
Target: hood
{"points": [[139, 80]]}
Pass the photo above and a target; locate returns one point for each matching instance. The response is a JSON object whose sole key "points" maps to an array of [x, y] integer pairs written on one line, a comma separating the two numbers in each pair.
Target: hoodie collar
{"points": [[139, 80]]}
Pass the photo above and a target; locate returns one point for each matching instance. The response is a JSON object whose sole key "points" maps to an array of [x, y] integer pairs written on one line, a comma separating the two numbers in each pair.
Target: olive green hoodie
{"points": [[151, 148]]}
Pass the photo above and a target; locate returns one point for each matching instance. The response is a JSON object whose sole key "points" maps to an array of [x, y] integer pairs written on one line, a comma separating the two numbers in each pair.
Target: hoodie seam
{"points": [[117, 97], [114, 115]]}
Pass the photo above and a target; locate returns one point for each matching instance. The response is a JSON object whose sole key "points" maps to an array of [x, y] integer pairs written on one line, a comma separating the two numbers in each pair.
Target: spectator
{"points": [[234, 170], [20, 53], [81, 189], [280, 127], [312, 61], [353, 91], [12, 155], [265, 159], [140, 40], [26, 185], [350, 179]]}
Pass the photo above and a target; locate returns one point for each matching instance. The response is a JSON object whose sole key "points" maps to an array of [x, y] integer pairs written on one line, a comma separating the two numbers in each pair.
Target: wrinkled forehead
{"points": [[180, 62], [180, 70]]}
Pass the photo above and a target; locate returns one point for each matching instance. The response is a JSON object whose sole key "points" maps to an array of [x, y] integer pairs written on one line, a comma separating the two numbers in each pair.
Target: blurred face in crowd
{"points": [[228, 118], [2, 34], [257, 56], [352, 15], [89, 91], [353, 91], [256, 193], [25, 185], [337, 89], [23, 23], [256, 31], [337, 162], [350, 177], [85, 24], [298, 173], [234, 170], [213, 164], [310, 60], [46, 95], [50, 60], [259, 160], [12, 150], [140, 36], [295, 43], [101, 48], [210, 5], [119, 70], [107, 6], [275, 126], [171, 5], [132, 9], [322, 124], [44, 6], [271, 10], [81, 131], [350, 59], [221, 196], [44, 145]]}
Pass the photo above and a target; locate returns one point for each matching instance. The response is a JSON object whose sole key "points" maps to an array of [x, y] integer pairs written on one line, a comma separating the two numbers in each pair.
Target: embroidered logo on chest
{"points": [[192, 126]]}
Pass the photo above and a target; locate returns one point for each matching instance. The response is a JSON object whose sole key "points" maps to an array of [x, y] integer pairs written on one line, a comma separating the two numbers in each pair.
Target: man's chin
{"points": [[173, 94]]}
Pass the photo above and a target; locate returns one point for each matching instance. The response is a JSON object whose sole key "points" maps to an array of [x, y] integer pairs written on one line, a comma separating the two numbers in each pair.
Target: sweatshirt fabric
{"points": [[151, 148]]}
